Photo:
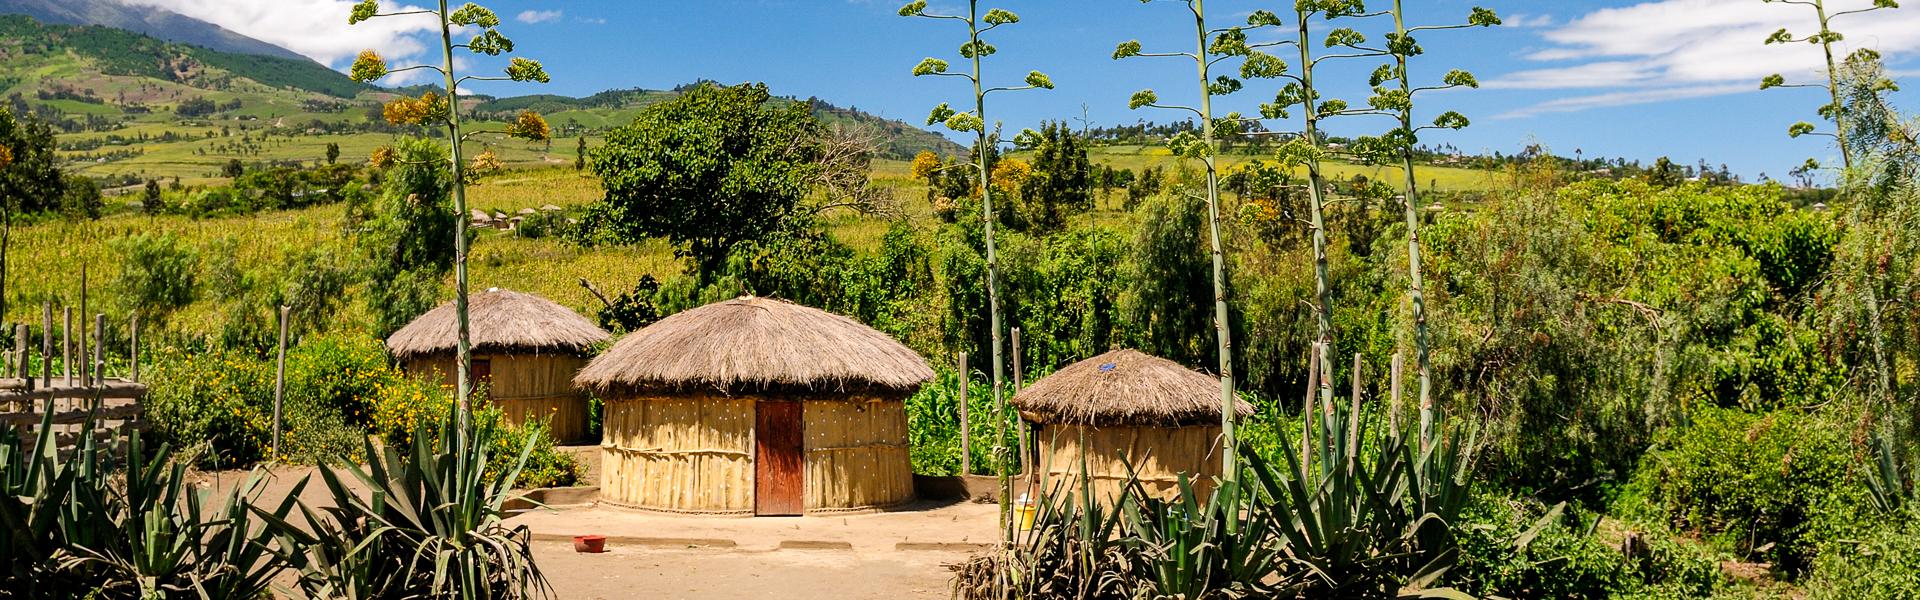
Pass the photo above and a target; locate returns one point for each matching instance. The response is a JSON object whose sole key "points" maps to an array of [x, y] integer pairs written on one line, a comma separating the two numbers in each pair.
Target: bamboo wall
{"points": [[857, 454], [690, 453], [526, 386], [694, 454], [1158, 456]]}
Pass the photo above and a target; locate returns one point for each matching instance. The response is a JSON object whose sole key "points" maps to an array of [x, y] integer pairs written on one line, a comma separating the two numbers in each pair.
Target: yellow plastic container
{"points": [[1023, 512]]}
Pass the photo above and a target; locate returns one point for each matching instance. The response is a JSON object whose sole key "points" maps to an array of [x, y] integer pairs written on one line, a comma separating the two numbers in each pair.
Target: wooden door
{"points": [[779, 460]]}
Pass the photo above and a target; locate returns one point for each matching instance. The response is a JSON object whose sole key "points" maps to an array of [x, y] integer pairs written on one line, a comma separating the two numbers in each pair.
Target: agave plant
{"points": [[431, 526], [1890, 485], [81, 526], [1184, 547], [1360, 522]]}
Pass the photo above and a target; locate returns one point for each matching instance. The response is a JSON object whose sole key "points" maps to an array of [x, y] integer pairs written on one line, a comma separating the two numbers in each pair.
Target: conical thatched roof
{"points": [[1125, 387], [498, 321], [756, 344]]}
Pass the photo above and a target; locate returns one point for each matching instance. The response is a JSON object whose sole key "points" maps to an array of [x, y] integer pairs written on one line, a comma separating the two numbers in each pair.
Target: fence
{"points": [[87, 401]]}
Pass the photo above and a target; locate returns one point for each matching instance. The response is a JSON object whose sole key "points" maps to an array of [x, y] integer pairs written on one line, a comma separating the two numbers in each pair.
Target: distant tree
{"points": [[580, 154], [1664, 174], [1062, 179], [333, 152], [233, 168], [403, 244], [433, 110], [151, 201], [710, 169], [82, 198]]}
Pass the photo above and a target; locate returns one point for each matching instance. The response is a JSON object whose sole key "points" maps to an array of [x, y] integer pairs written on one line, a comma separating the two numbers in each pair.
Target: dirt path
{"points": [[728, 574]]}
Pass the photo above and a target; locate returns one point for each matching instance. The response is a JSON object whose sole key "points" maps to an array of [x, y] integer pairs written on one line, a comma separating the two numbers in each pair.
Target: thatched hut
{"points": [[756, 406], [526, 350], [1125, 407]]}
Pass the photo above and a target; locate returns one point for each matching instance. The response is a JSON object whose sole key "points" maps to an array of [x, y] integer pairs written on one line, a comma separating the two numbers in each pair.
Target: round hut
{"points": [[756, 406], [526, 350], [1126, 408]]}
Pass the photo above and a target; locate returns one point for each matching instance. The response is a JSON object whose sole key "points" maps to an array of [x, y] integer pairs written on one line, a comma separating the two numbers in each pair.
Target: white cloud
{"points": [[1674, 49], [317, 29], [534, 17], [1525, 21]]}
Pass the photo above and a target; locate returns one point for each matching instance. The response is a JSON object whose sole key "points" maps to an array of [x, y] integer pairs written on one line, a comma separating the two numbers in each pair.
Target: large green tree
{"points": [[714, 168], [30, 180], [1062, 179]]}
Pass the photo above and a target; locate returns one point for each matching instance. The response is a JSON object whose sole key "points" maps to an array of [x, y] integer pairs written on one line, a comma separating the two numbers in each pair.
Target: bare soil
{"points": [[717, 574]]}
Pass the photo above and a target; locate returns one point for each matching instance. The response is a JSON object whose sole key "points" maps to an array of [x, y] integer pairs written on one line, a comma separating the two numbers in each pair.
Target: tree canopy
{"points": [[713, 168]]}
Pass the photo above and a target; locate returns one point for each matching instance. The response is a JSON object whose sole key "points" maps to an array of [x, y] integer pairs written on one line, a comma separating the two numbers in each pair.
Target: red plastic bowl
{"points": [[592, 544]]}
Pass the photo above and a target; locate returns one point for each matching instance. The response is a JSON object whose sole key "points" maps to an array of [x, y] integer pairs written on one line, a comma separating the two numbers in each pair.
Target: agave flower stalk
{"points": [[431, 111], [1826, 37], [1213, 46], [1400, 143], [974, 50]]}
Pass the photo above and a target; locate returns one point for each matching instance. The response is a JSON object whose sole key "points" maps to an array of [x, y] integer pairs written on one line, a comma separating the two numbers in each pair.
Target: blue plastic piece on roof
{"points": [[1108, 368]]}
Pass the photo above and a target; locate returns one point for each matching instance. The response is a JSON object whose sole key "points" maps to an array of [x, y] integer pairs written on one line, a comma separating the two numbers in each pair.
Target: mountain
{"points": [[154, 21], [78, 52], [898, 140]]}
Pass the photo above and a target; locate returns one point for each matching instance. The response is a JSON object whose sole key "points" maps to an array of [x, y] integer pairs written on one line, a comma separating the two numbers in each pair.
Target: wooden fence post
{"points": [[66, 343], [966, 432], [1353, 418], [279, 382], [133, 348], [80, 350], [46, 344], [99, 350], [1019, 381]]}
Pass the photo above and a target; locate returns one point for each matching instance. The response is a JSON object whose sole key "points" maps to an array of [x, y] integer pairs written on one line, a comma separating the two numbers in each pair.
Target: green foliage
{"points": [[1774, 485], [82, 523], [156, 275], [716, 167], [1061, 183], [1514, 548], [431, 527], [1882, 563], [405, 243], [30, 181], [1168, 269]]}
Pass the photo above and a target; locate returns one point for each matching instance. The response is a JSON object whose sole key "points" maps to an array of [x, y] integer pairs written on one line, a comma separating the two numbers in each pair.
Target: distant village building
{"points": [[526, 350], [756, 406]]}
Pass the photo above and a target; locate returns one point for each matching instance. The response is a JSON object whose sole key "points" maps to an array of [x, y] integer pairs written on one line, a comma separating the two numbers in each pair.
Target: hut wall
{"points": [[1158, 455], [527, 386], [857, 454], [685, 453]]}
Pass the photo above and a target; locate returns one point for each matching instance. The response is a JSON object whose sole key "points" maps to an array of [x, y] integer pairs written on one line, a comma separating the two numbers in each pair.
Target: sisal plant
{"points": [[526, 350], [756, 406], [1126, 415]]}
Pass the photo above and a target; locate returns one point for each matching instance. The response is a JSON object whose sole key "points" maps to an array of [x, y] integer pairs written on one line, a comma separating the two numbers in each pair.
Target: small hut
{"points": [[1126, 408], [526, 350], [756, 406]]}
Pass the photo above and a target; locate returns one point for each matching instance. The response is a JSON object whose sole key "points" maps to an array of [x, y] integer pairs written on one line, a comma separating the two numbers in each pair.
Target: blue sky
{"points": [[1634, 79]]}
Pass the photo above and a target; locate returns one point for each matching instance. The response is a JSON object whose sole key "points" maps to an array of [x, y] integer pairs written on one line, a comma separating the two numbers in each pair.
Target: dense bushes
{"points": [[1516, 548], [1883, 563], [1772, 486]]}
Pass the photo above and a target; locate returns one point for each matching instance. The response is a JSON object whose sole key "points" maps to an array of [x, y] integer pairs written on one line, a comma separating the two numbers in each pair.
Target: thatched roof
{"points": [[498, 321], [1125, 387], [756, 344]]}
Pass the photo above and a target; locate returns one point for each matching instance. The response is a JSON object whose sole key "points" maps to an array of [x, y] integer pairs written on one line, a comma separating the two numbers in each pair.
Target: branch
{"points": [[479, 78], [405, 69], [1412, 30], [1169, 54], [1852, 12], [1009, 89], [405, 13], [1196, 112], [965, 76], [1334, 56]]}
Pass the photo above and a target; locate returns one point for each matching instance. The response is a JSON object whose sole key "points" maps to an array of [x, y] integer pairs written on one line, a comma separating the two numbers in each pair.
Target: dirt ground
{"points": [[898, 554], [706, 573]]}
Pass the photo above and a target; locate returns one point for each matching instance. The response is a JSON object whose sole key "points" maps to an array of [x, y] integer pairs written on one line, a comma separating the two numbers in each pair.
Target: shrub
{"points": [[1776, 485], [1520, 549], [215, 406], [156, 275], [545, 466], [1884, 564]]}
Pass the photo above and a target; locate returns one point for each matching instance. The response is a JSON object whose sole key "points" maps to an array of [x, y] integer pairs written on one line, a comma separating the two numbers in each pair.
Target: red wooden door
{"points": [[779, 461]]}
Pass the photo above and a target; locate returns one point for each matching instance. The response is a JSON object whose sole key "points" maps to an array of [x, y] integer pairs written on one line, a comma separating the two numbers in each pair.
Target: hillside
{"points": [[130, 106], [154, 21], [615, 107]]}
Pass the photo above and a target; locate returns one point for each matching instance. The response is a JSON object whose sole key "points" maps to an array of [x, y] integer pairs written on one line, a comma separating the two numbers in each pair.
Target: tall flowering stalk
{"points": [[431, 109]]}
